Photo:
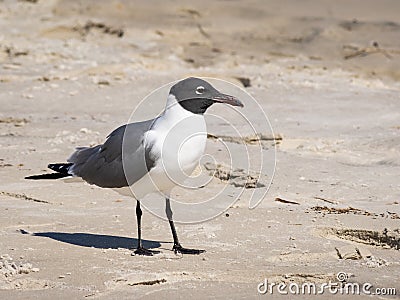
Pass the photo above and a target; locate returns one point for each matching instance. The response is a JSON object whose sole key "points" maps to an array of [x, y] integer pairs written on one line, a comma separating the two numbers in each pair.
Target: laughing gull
{"points": [[150, 156]]}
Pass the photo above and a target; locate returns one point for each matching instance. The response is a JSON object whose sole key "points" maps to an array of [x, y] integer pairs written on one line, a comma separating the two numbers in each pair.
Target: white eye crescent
{"points": [[200, 90]]}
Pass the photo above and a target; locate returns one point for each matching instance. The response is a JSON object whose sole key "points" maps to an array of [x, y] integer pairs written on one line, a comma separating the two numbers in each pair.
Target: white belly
{"points": [[172, 170]]}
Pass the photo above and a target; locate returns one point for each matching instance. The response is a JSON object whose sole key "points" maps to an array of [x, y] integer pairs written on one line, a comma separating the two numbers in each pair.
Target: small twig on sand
{"points": [[149, 282], [249, 139], [326, 200], [364, 51], [202, 31], [24, 197], [286, 201]]}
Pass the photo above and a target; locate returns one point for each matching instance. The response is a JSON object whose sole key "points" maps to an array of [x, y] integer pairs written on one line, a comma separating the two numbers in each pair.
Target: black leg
{"points": [[139, 223], [177, 246], [140, 250]]}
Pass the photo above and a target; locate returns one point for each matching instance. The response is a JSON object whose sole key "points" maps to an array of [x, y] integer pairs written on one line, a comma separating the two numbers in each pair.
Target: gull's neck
{"points": [[174, 111]]}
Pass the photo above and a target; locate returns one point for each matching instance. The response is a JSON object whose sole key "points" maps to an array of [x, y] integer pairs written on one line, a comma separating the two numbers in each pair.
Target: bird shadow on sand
{"points": [[99, 241]]}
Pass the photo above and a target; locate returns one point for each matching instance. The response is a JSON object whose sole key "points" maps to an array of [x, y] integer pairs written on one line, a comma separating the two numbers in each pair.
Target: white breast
{"points": [[179, 138]]}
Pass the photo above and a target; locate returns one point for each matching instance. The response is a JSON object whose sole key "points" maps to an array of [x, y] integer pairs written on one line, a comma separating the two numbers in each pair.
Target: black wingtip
{"points": [[60, 167], [47, 176]]}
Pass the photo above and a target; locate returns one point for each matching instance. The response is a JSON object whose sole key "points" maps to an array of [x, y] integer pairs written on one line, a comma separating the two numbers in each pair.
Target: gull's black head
{"points": [[196, 95]]}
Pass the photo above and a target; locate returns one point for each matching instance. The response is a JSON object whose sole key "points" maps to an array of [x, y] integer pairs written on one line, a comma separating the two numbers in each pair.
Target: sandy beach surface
{"points": [[325, 72]]}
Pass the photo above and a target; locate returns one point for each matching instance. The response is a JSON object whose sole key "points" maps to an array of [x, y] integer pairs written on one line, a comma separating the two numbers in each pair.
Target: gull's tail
{"points": [[61, 169]]}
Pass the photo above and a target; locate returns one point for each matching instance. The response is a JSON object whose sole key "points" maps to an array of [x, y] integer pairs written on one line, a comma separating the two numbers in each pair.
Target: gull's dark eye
{"points": [[200, 90]]}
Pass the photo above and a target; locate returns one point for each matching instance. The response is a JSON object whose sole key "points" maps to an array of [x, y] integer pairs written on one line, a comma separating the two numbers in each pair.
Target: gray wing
{"points": [[120, 161]]}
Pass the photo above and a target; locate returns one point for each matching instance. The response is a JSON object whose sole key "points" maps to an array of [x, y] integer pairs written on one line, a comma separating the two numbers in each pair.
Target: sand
{"points": [[326, 74]]}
